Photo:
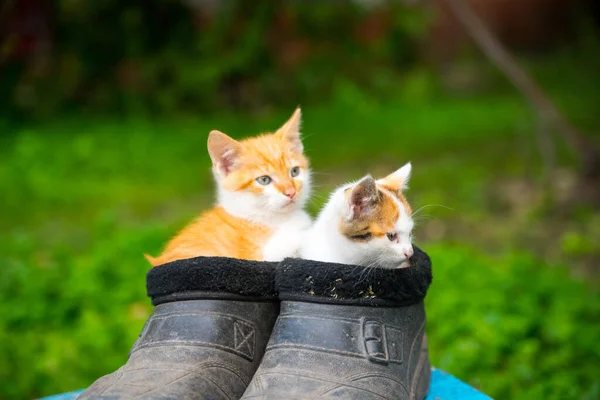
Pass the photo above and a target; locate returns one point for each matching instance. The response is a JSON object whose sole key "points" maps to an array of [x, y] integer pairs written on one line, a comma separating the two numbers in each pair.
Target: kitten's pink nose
{"points": [[291, 192], [408, 252]]}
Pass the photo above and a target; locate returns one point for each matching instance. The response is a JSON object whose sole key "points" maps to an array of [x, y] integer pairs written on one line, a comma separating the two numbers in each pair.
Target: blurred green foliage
{"points": [[85, 195], [85, 198], [166, 56], [513, 325]]}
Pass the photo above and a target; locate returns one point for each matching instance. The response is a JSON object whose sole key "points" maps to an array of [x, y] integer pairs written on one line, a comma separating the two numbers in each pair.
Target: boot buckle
{"points": [[374, 341]]}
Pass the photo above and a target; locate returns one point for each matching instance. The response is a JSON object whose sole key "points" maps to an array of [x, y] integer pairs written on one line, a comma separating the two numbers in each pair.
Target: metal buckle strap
{"points": [[365, 338]]}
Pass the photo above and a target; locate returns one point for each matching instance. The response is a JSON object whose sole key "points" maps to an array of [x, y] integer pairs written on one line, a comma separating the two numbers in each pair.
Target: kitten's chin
{"points": [[397, 264], [390, 264], [401, 265], [289, 206]]}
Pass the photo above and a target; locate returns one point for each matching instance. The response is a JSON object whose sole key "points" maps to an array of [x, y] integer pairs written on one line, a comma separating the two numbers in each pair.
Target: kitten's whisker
{"points": [[364, 273], [307, 135], [416, 212], [418, 217], [423, 218]]}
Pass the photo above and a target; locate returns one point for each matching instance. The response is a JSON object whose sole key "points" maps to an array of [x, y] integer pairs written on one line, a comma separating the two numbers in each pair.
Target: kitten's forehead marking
{"points": [[266, 155], [269, 150], [399, 198], [378, 223], [404, 224]]}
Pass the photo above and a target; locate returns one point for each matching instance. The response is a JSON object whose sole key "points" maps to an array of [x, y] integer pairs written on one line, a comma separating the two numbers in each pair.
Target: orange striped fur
{"points": [[216, 233], [248, 214]]}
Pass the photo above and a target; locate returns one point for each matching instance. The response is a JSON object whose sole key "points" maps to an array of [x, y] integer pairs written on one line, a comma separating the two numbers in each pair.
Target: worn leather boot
{"points": [[211, 323], [346, 332]]}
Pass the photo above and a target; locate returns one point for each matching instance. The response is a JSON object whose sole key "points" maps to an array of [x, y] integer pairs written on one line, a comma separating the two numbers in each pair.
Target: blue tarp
{"points": [[443, 387]]}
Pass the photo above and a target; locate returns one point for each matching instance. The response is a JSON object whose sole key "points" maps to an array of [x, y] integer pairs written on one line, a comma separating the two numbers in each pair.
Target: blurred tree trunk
{"points": [[520, 25], [548, 113]]}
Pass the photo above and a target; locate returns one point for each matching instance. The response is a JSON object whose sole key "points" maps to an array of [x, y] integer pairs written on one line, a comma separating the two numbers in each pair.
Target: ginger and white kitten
{"points": [[263, 183], [364, 223]]}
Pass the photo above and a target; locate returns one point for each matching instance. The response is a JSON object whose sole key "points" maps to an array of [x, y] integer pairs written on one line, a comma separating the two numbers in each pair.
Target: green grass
{"points": [[513, 326], [84, 198]]}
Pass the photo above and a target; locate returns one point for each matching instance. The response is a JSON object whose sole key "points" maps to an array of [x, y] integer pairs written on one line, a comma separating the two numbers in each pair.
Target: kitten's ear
{"points": [[290, 131], [363, 198], [224, 152], [397, 181]]}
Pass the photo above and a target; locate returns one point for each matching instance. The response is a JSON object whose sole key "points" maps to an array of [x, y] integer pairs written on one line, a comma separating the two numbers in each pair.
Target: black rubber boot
{"points": [[210, 326], [347, 332]]}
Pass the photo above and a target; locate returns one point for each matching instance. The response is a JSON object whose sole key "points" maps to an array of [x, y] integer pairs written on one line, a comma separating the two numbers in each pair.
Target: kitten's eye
{"points": [[364, 237], [392, 236], [294, 172], [264, 180]]}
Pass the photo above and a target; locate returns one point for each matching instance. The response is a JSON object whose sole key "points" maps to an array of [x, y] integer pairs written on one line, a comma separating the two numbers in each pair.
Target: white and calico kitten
{"points": [[364, 223]]}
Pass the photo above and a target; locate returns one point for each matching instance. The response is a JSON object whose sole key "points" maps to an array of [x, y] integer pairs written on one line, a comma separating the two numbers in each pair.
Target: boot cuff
{"points": [[319, 282], [211, 278]]}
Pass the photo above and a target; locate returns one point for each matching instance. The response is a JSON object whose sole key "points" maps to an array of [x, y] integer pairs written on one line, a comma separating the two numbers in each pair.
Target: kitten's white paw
{"points": [[288, 238], [282, 245]]}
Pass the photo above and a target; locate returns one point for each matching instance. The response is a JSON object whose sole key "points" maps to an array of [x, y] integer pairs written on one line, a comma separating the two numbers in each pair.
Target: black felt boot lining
{"points": [[212, 278], [312, 281], [292, 279]]}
